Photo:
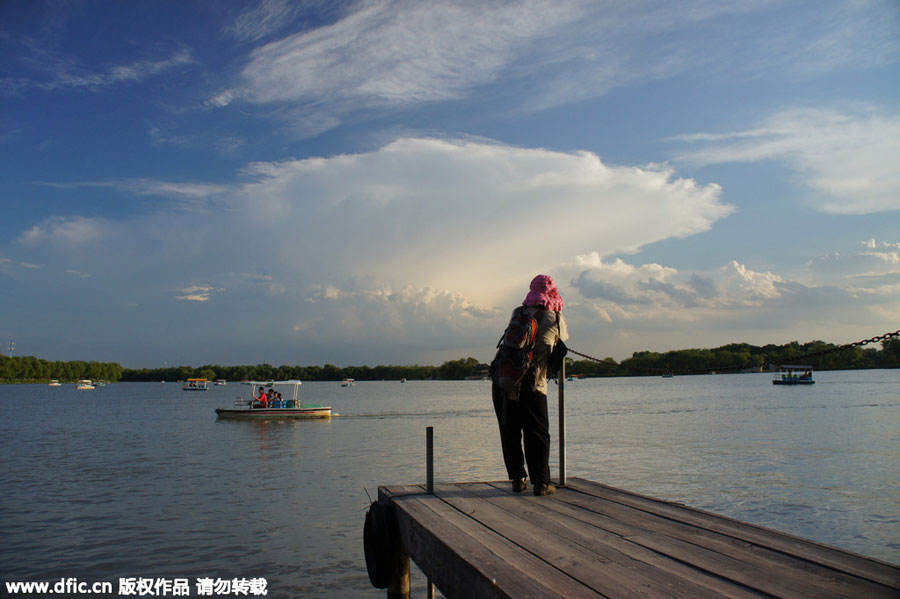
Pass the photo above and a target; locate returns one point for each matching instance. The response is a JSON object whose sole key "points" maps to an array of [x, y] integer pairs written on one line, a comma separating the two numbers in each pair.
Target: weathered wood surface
{"points": [[479, 540]]}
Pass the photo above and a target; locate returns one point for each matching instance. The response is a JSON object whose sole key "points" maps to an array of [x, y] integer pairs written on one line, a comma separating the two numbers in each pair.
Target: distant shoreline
{"points": [[393, 380], [733, 357]]}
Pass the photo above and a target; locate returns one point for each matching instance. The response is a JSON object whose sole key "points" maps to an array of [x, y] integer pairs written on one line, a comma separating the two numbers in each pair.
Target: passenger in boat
{"points": [[261, 401], [525, 419]]}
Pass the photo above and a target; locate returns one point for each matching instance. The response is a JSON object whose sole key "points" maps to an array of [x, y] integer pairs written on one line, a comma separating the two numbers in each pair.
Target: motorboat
{"points": [[196, 385], [276, 409], [84, 384], [794, 375]]}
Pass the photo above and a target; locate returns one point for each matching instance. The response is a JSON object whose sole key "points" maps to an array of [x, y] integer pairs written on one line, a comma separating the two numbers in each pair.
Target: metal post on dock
{"points": [[562, 423], [429, 484], [429, 459]]}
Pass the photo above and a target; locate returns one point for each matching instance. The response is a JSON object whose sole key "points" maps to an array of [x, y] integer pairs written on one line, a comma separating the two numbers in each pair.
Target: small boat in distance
{"points": [[221, 383], [247, 409], [84, 384], [54, 383], [348, 383], [196, 385], [794, 375]]}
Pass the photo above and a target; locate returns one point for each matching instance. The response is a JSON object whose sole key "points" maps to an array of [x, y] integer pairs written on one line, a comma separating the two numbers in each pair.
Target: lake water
{"points": [[142, 480]]}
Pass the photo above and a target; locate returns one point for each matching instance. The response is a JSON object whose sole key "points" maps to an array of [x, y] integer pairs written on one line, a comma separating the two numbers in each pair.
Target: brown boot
{"points": [[548, 489], [518, 485]]}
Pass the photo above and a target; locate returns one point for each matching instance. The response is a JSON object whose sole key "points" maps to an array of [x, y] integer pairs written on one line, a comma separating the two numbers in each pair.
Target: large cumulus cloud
{"points": [[362, 246]]}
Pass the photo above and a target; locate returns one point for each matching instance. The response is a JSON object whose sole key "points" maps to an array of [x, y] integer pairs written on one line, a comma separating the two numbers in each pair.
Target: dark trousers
{"points": [[524, 419]]}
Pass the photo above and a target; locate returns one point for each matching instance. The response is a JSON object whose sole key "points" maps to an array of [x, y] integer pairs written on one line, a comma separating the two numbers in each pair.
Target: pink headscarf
{"points": [[544, 293]]}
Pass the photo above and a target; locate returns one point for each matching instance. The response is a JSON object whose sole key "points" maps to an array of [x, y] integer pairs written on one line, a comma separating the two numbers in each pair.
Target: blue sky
{"points": [[377, 182]]}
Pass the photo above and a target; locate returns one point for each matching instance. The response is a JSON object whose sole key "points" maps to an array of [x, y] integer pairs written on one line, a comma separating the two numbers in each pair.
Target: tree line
{"points": [[728, 358], [450, 370], [736, 357], [28, 369]]}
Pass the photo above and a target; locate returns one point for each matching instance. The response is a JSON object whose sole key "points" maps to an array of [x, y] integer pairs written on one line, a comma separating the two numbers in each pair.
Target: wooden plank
{"points": [[590, 540], [399, 490], [465, 559], [504, 569], [750, 565], [851, 563], [608, 571], [565, 519], [546, 548]]}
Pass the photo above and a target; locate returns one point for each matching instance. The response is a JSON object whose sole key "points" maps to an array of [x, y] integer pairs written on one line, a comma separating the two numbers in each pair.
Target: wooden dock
{"points": [[479, 540]]}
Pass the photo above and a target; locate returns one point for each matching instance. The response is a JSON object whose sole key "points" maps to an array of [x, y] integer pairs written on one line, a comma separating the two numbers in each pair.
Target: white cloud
{"points": [[848, 158], [394, 54], [854, 34], [410, 317], [197, 293], [870, 262], [152, 187], [616, 305], [633, 291], [424, 245], [75, 230], [434, 239], [465, 215], [653, 291], [8, 265], [191, 197], [268, 17], [67, 73]]}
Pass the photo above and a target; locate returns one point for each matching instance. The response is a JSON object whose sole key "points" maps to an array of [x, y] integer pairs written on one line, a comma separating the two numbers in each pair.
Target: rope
{"points": [[764, 365]]}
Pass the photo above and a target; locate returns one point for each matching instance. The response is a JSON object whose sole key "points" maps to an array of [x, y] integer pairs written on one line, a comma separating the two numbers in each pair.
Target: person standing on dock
{"points": [[522, 414]]}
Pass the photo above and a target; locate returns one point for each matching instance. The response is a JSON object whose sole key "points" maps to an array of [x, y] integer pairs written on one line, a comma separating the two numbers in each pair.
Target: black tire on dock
{"points": [[381, 545]]}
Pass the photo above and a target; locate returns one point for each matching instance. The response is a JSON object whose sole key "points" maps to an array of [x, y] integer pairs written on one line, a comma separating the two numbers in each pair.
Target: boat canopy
{"points": [[294, 384], [795, 367]]}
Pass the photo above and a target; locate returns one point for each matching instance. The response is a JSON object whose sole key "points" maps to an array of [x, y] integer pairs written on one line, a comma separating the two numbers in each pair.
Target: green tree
{"points": [[457, 369], [890, 353], [330, 372]]}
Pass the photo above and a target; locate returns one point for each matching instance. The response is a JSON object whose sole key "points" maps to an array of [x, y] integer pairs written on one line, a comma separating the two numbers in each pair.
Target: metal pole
{"points": [[429, 459], [562, 424]]}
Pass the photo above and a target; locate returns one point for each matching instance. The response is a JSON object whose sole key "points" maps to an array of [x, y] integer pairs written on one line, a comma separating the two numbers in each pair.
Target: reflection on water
{"points": [[143, 480]]}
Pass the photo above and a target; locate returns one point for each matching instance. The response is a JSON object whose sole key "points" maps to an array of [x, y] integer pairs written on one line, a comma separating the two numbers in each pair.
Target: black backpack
{"points": [[515, 352]]}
